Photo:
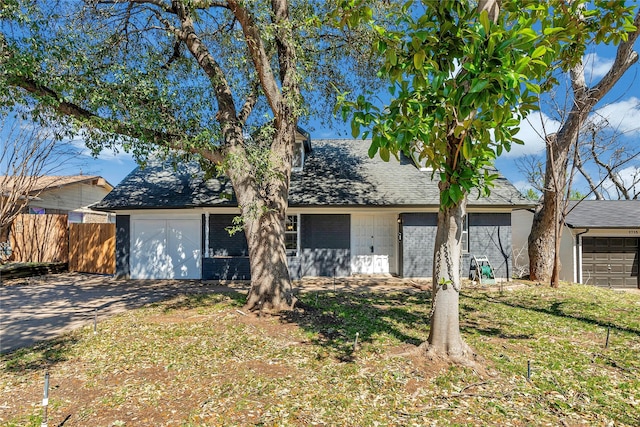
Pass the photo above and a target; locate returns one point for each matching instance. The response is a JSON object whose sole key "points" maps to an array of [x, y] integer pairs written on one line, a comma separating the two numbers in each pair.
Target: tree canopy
{"points": [[456, 75], [222, 81]]}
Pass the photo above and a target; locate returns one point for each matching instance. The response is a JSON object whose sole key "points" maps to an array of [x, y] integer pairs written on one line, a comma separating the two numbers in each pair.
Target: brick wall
{"points": [[325, 242], [418, 238], [489, 235]]}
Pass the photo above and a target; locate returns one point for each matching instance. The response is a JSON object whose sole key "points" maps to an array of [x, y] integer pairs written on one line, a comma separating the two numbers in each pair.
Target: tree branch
{"points": [[625, 58], [250, 102], [580, 166], [226, 115], [259, 57], [159, 3], [90, 119]]}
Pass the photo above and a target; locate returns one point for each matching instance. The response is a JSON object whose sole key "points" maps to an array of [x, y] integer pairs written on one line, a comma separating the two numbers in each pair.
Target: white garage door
{"points": [[165, 249]]}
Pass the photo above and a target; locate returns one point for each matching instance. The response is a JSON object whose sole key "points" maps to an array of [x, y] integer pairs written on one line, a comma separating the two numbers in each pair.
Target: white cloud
{"points": [[532, 132], [623, 117], [108, 154], [595, 67]]}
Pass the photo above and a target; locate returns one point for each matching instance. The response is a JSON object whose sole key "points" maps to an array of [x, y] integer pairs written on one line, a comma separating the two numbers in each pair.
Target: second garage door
{"points": [[165, 249], [610, 261]]}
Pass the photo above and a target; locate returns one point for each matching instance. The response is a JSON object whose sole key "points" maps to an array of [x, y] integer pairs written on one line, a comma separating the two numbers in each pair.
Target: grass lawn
{"points": [[199, 361]]}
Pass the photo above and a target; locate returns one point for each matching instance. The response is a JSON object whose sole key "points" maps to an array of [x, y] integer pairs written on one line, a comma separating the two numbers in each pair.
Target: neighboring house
{"points": [[69, 195], [600, 242], [348, 214]]}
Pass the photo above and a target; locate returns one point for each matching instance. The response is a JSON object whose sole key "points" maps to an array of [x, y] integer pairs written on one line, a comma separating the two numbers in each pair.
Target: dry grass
{"points": [[197, 360]]}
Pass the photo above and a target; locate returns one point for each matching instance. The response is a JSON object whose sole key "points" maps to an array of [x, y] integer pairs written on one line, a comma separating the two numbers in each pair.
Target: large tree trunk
{"points": [[548, 216], [445, 340], [271, 288], [263, 203]]}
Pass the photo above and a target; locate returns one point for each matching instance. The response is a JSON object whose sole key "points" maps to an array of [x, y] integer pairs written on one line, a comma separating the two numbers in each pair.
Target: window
{"points": [[291, 235], [464, 239]]}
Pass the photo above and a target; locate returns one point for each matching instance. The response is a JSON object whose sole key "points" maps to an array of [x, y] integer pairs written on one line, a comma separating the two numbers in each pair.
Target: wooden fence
{"points": [[92, 248], [40, 238], [87, 248]]}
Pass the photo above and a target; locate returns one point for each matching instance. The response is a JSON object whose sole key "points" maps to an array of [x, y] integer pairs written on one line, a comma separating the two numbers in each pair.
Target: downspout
{"points": [[578, 256]]}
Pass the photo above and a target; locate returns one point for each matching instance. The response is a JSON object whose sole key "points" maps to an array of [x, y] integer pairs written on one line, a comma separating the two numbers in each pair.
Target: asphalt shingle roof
{"points": [[604, 214], [336, 173]]}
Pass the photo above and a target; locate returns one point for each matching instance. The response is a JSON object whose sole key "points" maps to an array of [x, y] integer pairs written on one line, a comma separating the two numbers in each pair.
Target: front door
{"points": [[373, 238]]}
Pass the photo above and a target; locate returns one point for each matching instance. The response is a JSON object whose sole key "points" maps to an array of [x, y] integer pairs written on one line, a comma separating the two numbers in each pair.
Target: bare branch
{"points": [[159, 3], [579, 164], [28, 153]]}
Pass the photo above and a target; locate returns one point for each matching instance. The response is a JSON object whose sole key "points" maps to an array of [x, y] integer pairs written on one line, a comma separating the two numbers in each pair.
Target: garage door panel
{"points": [[184, 248], [147, 249], [617, 257], [610, 261]]}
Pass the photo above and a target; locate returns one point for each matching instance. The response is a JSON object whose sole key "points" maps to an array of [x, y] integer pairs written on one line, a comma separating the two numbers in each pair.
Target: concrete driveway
{"points": [[38, 309]]}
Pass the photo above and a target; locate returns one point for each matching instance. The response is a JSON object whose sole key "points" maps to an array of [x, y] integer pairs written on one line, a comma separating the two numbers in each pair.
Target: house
{"points": [[599, 244], [69, 195], [348, 214]]}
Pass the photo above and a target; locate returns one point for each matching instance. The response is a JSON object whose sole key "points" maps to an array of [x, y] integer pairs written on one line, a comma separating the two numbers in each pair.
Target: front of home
{"points": [[348, 214]]}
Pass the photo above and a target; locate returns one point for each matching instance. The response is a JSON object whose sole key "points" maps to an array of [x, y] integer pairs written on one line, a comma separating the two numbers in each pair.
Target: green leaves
{"points": [[478, 85], [484, 20], [538, 52], [392, 57], [418, 59], [464, 83], [384, 153]]}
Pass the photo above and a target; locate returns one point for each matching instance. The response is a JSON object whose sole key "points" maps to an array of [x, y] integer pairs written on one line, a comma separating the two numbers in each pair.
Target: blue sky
{"points": [[621, 107]]}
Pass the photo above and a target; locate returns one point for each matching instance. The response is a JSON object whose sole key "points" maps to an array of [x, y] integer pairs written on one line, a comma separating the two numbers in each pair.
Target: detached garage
{"points": [[605, 243]]}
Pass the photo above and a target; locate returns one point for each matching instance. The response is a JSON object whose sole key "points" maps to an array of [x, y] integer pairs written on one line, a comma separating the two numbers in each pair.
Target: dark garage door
{"points": [[610, 261]]}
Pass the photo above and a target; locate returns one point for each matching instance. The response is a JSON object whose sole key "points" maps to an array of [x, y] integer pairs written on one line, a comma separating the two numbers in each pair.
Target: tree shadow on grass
{"points": [[336, 317], [483, 326], [41, 356], [46, 354], [554, 309]]}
